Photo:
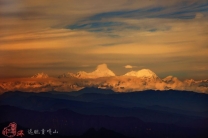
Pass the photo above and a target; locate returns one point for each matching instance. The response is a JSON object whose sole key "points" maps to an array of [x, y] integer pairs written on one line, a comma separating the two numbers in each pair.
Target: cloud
{"points": [[106, 20], [129, 67], [63, 35]]}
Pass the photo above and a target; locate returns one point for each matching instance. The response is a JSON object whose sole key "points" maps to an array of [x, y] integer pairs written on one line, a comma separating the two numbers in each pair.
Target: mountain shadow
{"points": [[69, 123]]}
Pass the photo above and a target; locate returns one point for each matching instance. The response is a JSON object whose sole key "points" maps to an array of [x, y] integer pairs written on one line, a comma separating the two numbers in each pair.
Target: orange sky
{"points": [[55, 37]]}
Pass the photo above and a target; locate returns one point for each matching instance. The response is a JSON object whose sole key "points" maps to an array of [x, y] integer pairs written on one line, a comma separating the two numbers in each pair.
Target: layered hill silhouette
{"points": [[69, 123], [92, 112]]}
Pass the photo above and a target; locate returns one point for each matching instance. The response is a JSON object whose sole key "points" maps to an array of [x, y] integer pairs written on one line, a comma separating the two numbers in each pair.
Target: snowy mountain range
{"points": [[40, 75], [101, 71], [103, 78]]}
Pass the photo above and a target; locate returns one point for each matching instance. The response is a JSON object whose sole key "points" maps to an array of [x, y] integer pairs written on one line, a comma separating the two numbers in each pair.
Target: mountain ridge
{"points": [[103, 78], [40, 76], [68, 122], [101, 71]]}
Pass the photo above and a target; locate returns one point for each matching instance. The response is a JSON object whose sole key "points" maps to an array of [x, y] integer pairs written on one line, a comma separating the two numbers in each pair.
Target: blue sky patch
{"points": [[94, 25], [97, 23]]}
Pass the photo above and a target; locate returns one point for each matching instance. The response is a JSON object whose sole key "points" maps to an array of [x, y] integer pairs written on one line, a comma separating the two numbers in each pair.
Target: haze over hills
{"points": [[136, 114], [104, 78]]}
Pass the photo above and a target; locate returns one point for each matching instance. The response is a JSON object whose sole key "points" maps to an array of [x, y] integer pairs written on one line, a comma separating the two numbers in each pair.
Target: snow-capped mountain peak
{"points": [[103, 77], [189, 81], [171, 79], [81, 74], [40, 75], [102, 71], [102, 67], [143, 73]]}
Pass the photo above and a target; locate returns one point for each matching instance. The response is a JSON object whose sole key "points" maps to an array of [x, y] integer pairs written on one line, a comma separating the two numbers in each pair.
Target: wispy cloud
{"points": [[181, 10], [120, 32], [130, 67]]}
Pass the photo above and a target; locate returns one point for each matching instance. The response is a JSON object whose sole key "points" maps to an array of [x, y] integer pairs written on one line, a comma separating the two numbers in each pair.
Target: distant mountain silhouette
{"points": [[69, 123], [137, 114], [179, 102], [92, 90]]}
